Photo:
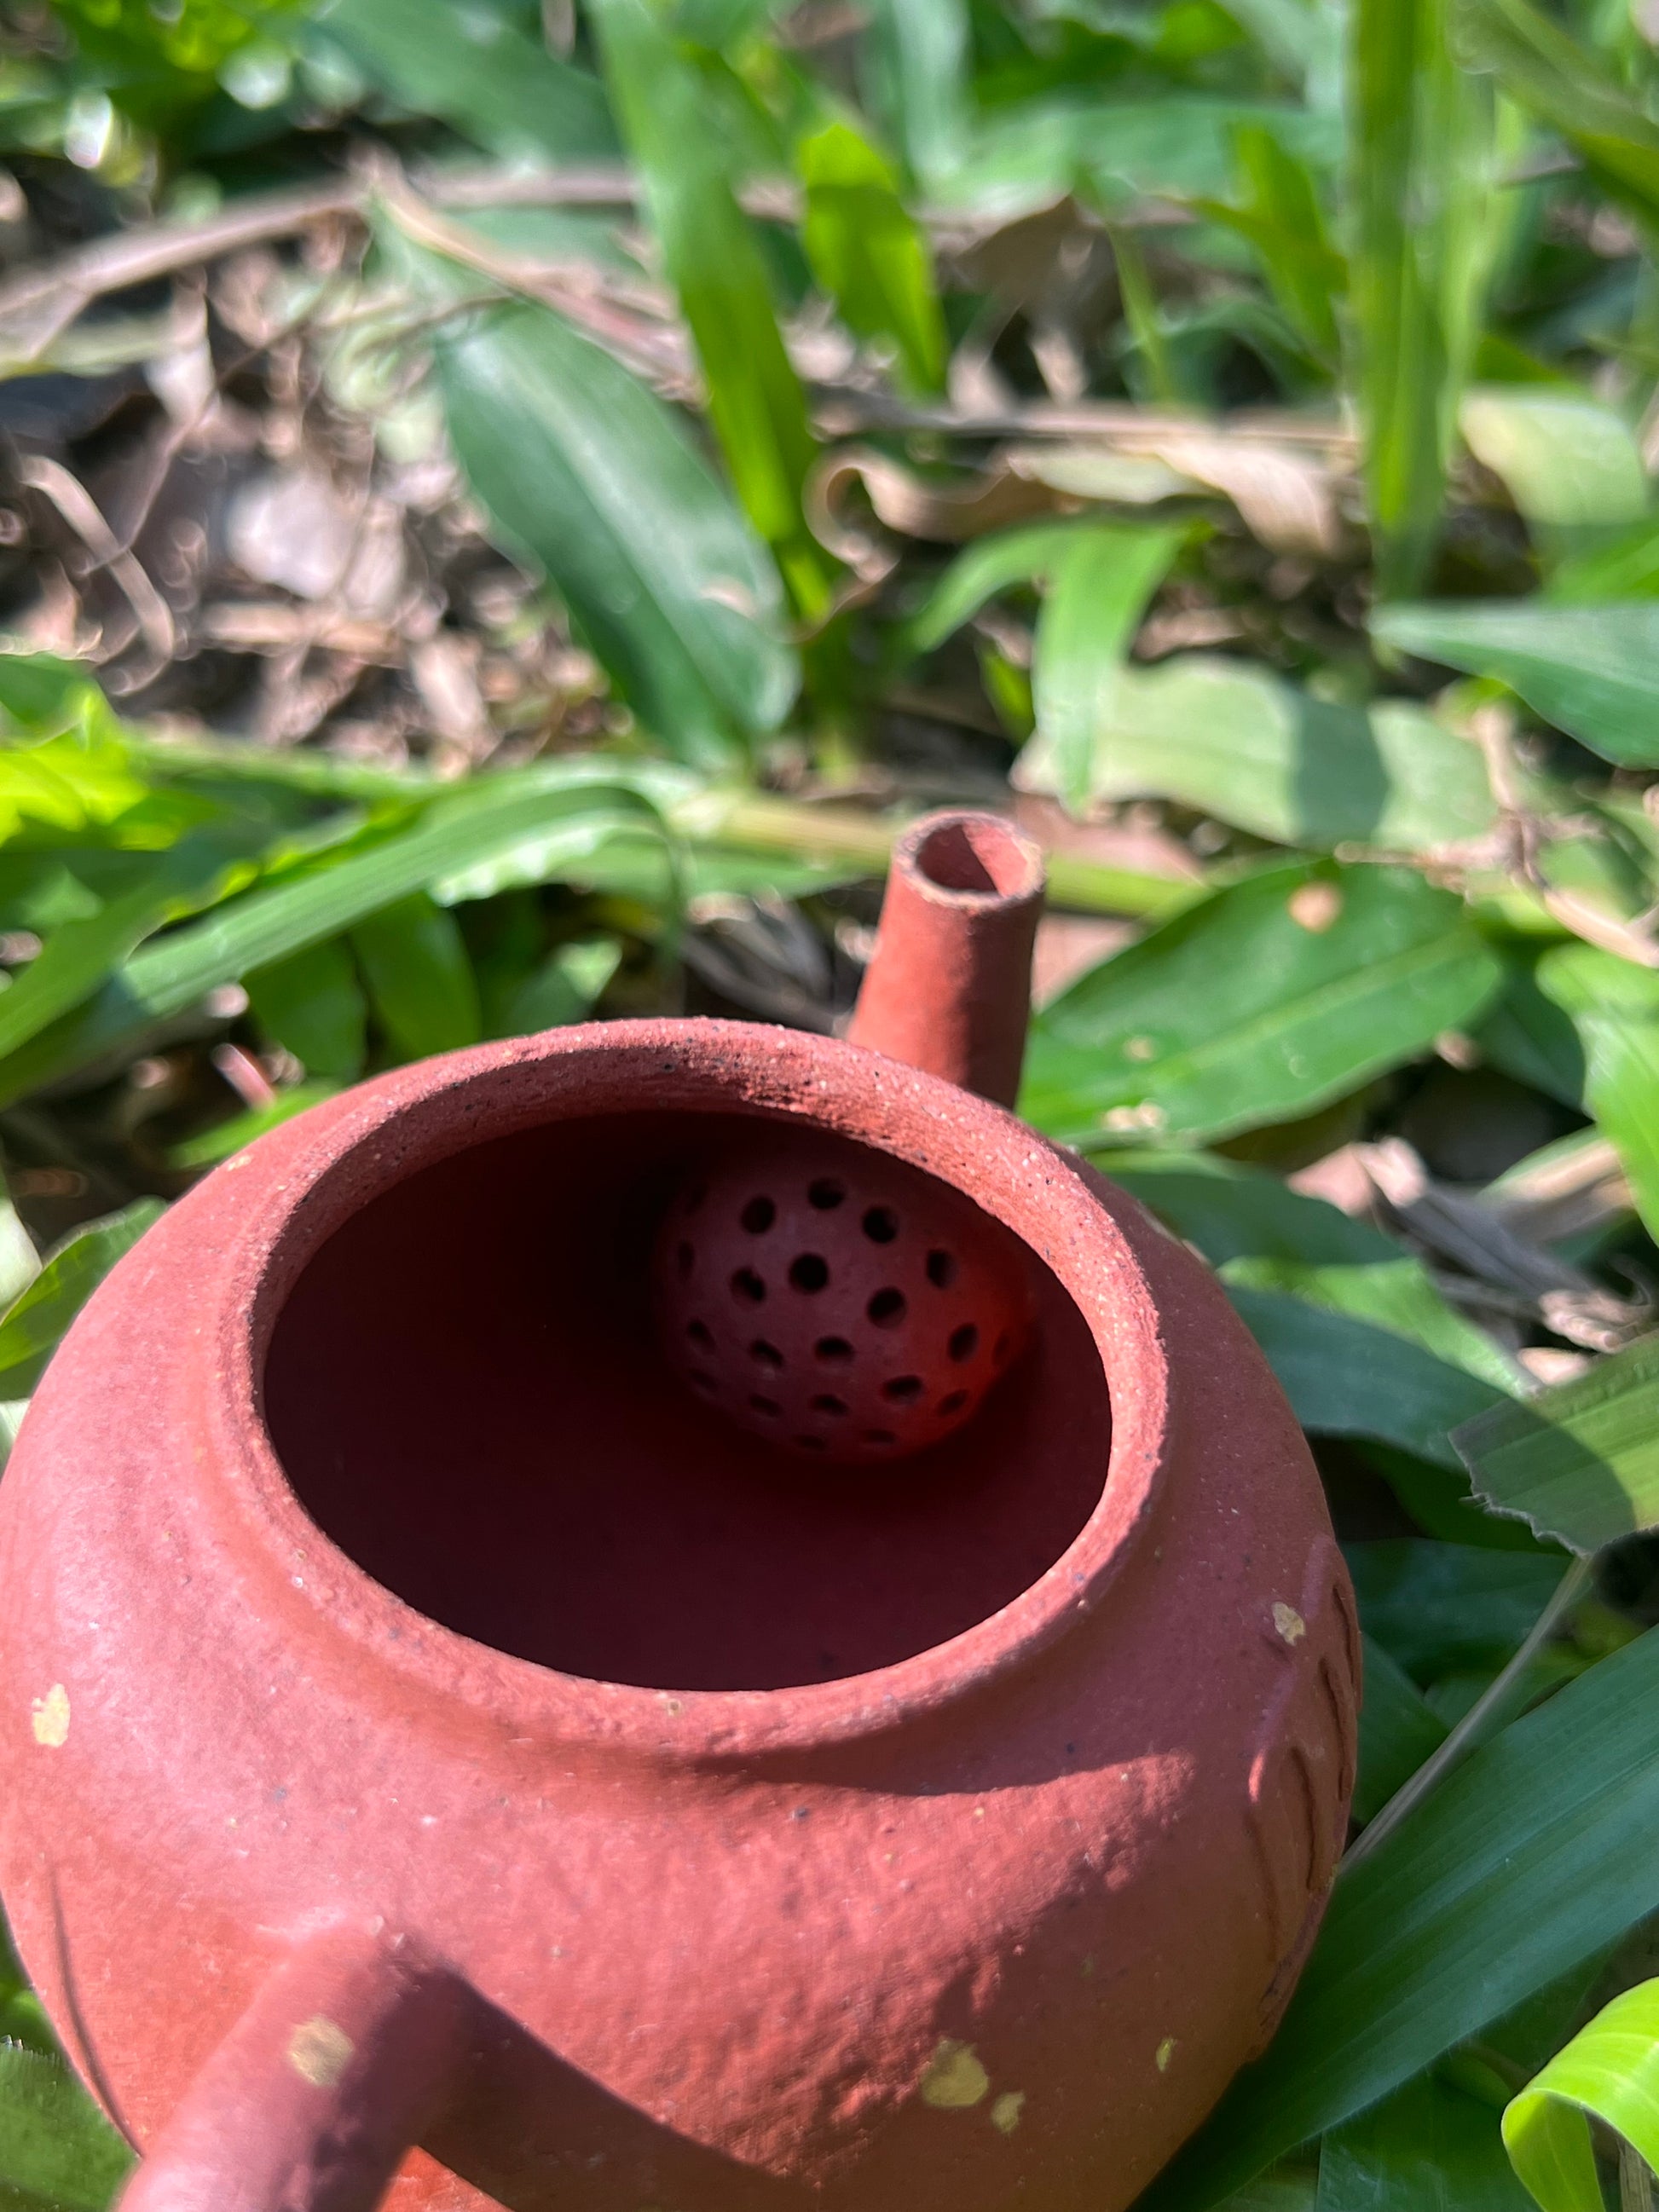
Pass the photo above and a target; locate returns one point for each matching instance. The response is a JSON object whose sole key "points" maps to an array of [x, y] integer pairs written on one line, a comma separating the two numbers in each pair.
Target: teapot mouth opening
{"points": [[453, 1378]]}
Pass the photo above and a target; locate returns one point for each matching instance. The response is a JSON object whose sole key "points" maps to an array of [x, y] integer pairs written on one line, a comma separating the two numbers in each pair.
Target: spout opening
{"points": [[977, 858]]}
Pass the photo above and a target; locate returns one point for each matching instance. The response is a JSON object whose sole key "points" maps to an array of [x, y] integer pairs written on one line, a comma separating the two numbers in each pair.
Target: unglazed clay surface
{"points": [[937, 1846]]}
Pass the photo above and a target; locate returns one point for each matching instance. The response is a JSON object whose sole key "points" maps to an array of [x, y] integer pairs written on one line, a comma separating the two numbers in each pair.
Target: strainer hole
{"points": [[766, 1354], [684, 1259], [809, 1443], [809, 1272], [942, 1270], [954, 1403], [700, 1336], [965, 1342], [758, 1216], [826, 1194], [879, 1437], [834, 1349], [887, 1307], [770, 1407], [903, 1390], [747, 1286], [826, 1403], [880, 1224]]}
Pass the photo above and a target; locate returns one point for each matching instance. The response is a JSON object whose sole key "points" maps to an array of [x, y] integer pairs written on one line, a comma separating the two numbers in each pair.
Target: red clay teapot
{"points": [[446, 1749]]}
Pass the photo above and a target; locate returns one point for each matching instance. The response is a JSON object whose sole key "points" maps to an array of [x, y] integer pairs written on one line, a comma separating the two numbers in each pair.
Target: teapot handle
{"points": [[345, 2056]]}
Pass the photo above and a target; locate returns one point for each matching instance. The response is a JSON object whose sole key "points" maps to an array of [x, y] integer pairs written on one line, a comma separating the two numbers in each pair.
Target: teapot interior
{"points": [[464, 1389]]}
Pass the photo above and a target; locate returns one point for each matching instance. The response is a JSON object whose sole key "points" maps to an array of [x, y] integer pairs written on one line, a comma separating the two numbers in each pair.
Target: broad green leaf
{"points": [[465, 829], [1615, 1007], [1622, 566], [1024, 155], [1240, 743], [1398, 1730], [1345, 1377], [564, 988], [917, 61], [1282, 218], [1441, 1503], [313, 1004], [475, 67], [1256, 1005], [1302, 38], [1570, 88], [711, 257], [1530, 1037], [1419, 136], [1610, 2070], [1099, 590], [34, 1323], [1428, 2147], [225, 1138], [56, 2147], [1591, 671], [866, 252], [1530, 1855], [1569, 462], [419, 979], [1439, 1609], [589, 476], [1579, 1461], [1396, 1294], [40, 694], [1029, 555], [1232, 1211]]}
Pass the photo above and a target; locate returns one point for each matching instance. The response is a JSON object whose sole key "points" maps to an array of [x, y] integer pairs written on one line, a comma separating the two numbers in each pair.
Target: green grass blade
{"points": [[1615, 1007], [866, 252], [916, 68], [1548, 70], [469, 829], [1534, 1853], [711, 257], [1099, 590], [1420, 131]]}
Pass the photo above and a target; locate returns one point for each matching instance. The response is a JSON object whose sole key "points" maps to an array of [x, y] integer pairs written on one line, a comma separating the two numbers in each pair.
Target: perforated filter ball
{"points": [[838, 1303]]}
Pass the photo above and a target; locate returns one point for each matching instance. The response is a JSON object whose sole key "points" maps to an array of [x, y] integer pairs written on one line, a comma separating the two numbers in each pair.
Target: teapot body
{"points": [[937, 1846]]}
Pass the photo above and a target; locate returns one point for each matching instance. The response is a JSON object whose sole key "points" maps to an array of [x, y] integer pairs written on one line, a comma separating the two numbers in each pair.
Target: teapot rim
{"points": [[298, 1185]]}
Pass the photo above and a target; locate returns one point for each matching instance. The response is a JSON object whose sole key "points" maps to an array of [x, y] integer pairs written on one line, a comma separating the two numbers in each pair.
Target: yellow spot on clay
{"points": [[1005, 2113], [1165, 2053], [673, 1707], [955, 2079], [319, 2052], [1315, 906], [1139, 1047], [1289, 1623], [51, 1718], [1087, 1966]]}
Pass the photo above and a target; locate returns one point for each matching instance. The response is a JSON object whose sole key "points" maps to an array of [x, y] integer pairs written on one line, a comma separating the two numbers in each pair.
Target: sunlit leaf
{"points": [[1569, 462], [867, 253], [1257, 1005], [1615, 1007], [1610, 2071], [33, 1323], [57, 2152], [1591, 671], [1580, 1462]]}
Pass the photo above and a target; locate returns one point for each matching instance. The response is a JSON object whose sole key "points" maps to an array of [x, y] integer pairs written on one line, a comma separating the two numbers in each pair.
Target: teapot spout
{"points": [[949, 990]]}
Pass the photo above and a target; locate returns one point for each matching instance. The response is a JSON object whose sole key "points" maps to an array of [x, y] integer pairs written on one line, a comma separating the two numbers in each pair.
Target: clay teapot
{"points": [[445, 1758]]}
